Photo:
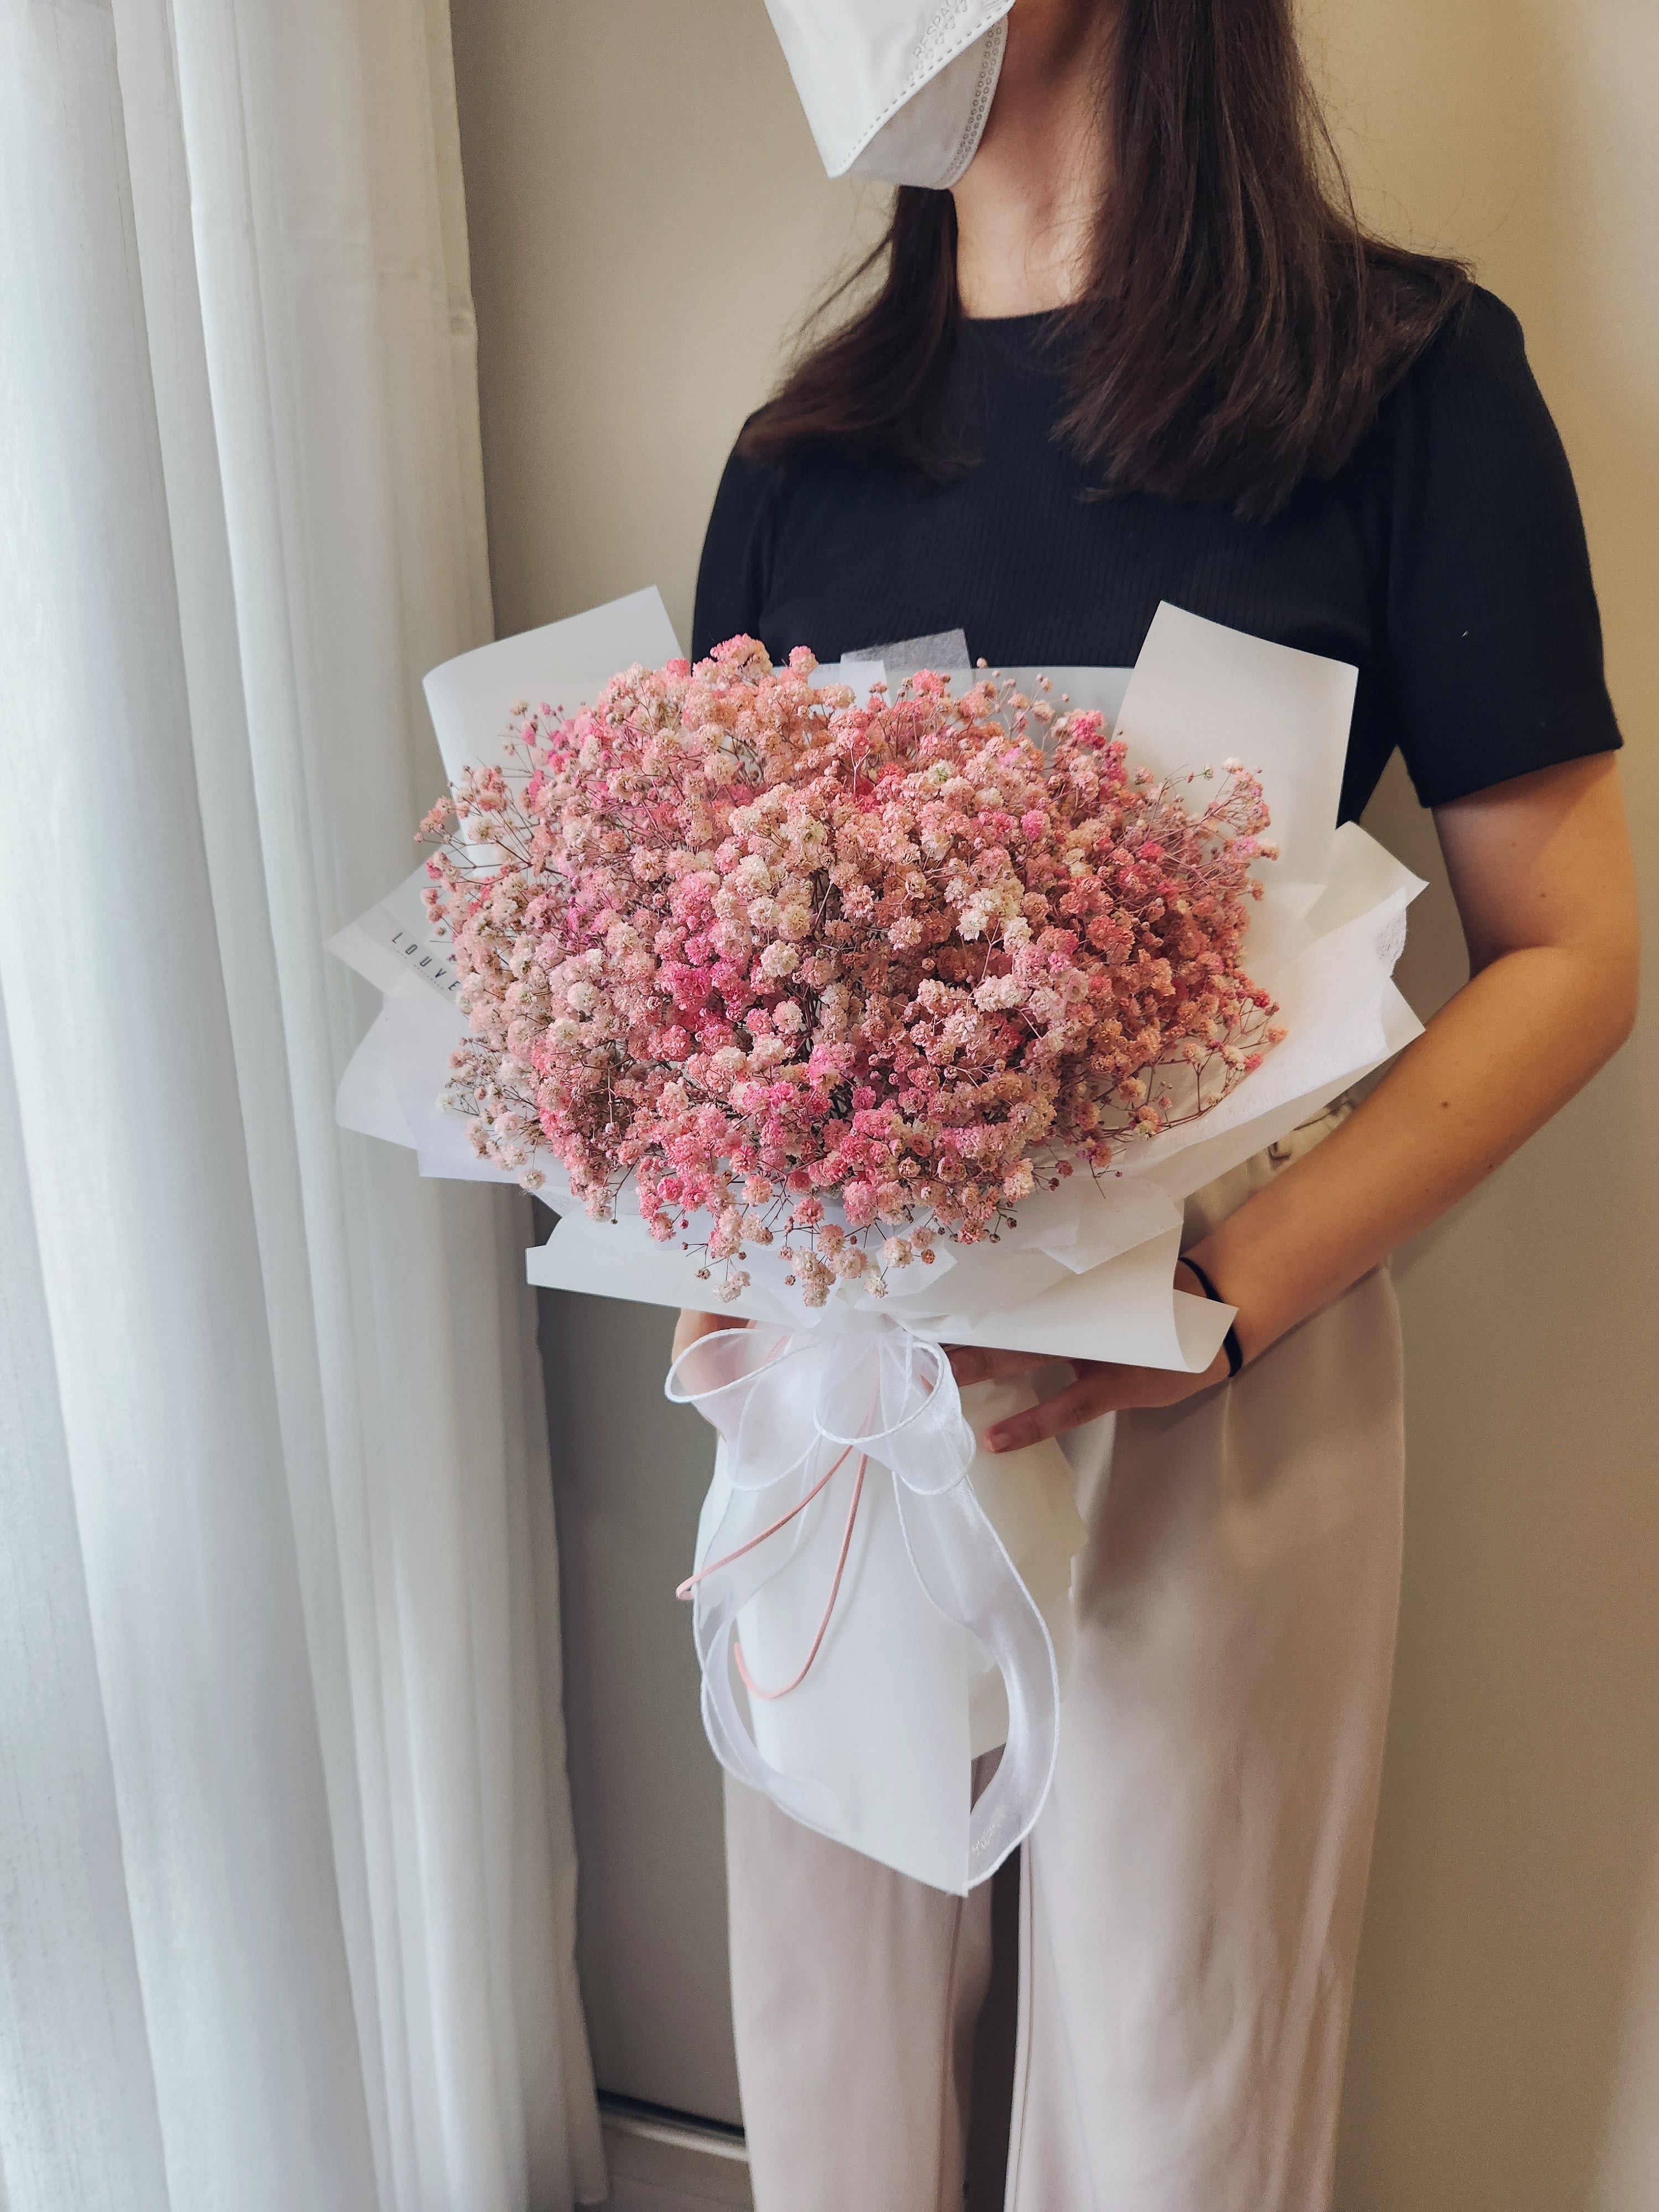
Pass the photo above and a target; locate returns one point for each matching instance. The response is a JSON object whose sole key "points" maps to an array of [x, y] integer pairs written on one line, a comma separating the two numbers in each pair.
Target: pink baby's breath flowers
{"points": [[766, 949]]}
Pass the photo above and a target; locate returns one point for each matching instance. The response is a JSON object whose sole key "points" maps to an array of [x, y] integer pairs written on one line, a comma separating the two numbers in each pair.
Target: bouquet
{"points": [[834, 975], [897, 1003]]}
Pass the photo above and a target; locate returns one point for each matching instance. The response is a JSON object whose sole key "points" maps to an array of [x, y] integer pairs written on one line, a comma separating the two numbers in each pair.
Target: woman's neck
{"points": [[1026, 203]]}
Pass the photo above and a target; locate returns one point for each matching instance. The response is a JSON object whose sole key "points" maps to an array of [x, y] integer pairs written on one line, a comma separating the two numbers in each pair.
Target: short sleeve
{"points": [[732, 574], [1494, 639]]}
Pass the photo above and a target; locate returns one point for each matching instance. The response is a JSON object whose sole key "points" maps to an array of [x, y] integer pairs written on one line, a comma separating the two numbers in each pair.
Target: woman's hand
{"points": [[692, 1325], [1100, 1386]]}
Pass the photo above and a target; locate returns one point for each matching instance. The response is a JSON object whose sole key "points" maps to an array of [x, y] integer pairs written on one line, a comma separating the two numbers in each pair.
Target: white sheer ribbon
{"points": [[786, 1404]]}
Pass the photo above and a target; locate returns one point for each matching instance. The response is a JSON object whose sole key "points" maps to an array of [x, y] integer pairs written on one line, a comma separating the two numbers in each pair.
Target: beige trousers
{"points": [[1191, 1897]]}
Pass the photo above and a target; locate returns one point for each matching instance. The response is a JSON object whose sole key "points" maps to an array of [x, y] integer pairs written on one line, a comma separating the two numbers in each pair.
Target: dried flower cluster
{"points": [[840, 975]]}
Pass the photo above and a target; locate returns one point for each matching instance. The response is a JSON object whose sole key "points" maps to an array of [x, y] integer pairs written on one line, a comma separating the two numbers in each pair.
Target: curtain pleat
{"points": [[78, 2118], [294, 1390]]}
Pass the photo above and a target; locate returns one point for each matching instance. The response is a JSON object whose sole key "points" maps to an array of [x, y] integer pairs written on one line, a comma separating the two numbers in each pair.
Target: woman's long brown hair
{"points": [[1239, 327]]}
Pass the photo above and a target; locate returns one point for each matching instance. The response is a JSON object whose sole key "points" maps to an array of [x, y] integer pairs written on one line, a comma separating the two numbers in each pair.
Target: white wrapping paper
{"points": [[950, 1630]]}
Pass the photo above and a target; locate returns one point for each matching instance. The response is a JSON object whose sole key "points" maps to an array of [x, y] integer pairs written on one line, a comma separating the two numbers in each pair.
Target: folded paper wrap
{"points": [[950, 1629]]}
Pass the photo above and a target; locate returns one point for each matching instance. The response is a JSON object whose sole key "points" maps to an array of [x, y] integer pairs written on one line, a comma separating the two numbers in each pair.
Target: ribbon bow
{"points": [[791, 1407]]}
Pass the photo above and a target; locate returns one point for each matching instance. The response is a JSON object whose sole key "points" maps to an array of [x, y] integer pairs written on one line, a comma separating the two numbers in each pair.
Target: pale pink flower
{"points": [[869, 970]]}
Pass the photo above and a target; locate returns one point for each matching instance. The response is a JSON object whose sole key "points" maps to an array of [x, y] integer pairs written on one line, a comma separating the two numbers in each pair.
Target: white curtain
{"points": [[287, 1883]]}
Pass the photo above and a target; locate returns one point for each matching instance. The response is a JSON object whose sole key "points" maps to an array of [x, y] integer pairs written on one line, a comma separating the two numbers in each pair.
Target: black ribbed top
{"points": [[1446, 561]]}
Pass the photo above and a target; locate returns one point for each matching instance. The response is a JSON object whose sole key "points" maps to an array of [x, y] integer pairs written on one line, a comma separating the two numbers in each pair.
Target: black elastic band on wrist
{"points": [[1230, 1343]]}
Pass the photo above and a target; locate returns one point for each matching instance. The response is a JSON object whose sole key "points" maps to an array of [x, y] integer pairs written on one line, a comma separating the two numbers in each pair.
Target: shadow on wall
{"points": [[1505, 2049]]}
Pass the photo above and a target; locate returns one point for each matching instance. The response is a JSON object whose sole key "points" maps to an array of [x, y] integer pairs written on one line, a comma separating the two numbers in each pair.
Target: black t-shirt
{"points": [[1446, 561]]}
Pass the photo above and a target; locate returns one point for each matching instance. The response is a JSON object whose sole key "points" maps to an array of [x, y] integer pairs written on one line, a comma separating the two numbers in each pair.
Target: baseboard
{"points": [[665, 2161]]}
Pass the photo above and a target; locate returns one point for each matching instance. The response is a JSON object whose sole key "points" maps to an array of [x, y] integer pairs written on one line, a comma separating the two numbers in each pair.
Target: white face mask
{"points": [[896, 89]]}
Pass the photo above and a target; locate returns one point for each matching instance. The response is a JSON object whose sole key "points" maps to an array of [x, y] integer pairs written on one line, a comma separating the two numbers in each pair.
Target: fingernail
{"points": [[995, 1441]]}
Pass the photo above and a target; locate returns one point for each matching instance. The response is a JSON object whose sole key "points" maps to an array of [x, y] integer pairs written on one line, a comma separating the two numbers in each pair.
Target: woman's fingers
{"points": [[1100, 1387], [974, 1363], [692, 1325], [1102, 1391]]}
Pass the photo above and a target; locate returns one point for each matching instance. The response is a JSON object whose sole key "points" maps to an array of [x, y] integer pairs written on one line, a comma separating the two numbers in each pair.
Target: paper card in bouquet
{"points": [[876, 1601]]}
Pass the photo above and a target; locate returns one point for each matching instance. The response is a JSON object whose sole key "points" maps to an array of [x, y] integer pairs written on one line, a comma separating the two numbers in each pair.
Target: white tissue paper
{"points": [[950, 1630]]}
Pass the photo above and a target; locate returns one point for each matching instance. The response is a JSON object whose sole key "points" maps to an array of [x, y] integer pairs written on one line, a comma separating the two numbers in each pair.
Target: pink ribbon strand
{"points": [[782, 1521]]}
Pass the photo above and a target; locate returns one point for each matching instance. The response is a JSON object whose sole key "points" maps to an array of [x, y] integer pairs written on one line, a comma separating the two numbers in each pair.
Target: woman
{"points": [[1137, 351]]}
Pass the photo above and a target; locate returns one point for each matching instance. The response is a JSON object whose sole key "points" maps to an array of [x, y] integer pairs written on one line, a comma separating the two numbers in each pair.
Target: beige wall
{"points": [[647, 219], [641, 241]]}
